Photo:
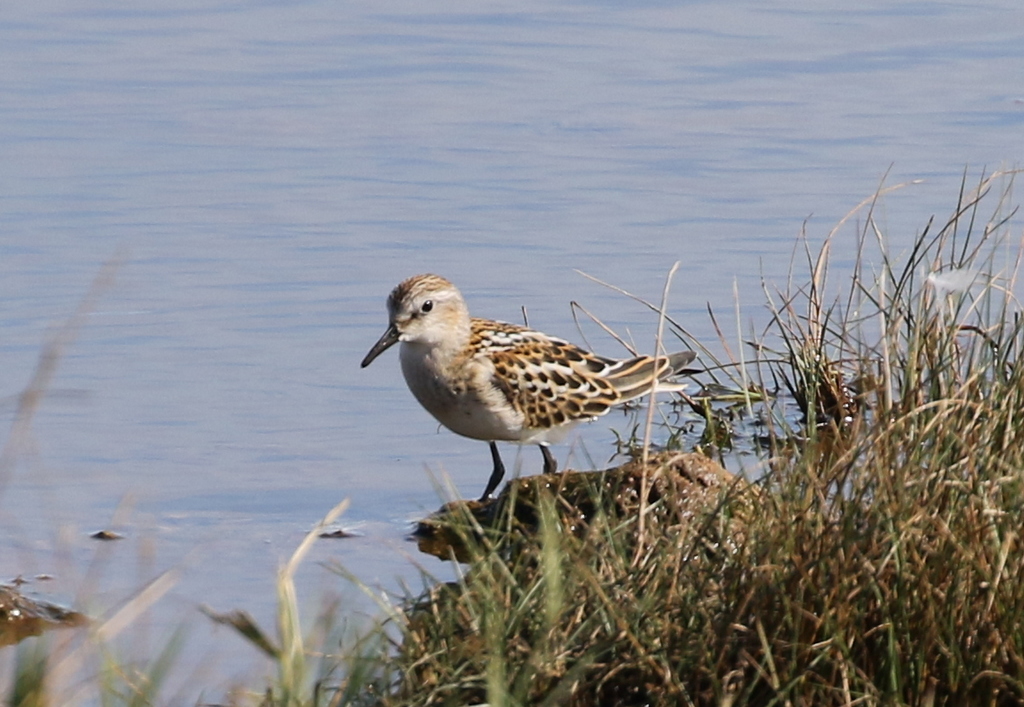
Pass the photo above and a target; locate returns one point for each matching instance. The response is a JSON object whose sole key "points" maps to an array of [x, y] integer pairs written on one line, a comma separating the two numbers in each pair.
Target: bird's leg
{"points": [[496, 475], [550, 465]]}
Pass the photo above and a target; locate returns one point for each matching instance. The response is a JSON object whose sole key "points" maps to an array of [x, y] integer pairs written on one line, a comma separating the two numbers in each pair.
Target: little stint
{"points": [[494, 381]]}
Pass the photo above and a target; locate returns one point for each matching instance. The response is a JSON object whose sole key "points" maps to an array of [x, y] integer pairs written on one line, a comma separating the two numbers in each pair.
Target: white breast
{"points": [[463, 400]]}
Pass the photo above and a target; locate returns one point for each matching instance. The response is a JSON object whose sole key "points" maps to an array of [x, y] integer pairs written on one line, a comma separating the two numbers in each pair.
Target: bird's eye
{"points": [[427, 306]]}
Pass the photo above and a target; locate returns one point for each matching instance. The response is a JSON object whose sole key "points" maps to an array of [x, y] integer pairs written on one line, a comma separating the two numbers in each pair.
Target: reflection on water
{"points": [[266, 174]]}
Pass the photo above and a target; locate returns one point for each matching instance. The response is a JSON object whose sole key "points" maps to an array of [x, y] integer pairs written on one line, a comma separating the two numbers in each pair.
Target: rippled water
{"points": [[264, 174]]}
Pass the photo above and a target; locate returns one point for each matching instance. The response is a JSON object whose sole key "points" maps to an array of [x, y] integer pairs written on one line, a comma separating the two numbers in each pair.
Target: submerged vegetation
{"points": [[872, 556]]}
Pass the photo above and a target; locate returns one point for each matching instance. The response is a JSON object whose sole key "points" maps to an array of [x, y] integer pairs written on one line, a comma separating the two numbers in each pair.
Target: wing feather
{"points": [[552, 382]]}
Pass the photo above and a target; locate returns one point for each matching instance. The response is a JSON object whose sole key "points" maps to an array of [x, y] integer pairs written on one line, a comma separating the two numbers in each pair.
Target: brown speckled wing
{"points": [[550, 381]]}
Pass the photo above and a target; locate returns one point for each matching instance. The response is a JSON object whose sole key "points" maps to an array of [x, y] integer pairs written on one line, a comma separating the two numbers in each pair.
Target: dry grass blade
{"points": [[649, 422], [19, 441], [576, 306], [293, 671], [242, 622], [105, 632]]}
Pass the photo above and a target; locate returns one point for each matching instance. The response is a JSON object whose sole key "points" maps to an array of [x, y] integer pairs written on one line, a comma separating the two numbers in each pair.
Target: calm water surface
{"points": [[265, 173]]}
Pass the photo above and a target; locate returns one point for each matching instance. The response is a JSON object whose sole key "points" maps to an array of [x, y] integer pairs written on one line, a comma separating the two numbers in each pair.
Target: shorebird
{"points": [[495, 381]]}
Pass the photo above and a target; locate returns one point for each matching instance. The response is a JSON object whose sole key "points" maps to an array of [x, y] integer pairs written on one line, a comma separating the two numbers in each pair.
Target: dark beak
{"points": [[385, 342]]}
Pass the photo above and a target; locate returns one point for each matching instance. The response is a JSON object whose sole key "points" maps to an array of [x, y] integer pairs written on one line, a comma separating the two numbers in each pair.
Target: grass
{"points": [[873, 556]]}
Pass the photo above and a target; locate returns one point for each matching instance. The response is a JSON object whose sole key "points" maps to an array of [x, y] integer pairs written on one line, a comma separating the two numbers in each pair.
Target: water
{"points": [[264, 174]]}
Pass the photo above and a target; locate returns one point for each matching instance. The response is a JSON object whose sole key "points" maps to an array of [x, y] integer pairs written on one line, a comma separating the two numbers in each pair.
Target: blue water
{"points": [[264, 174]]}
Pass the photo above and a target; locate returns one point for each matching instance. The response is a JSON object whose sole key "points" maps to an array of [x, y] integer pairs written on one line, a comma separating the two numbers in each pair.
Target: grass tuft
{"points": [[877, 561]]}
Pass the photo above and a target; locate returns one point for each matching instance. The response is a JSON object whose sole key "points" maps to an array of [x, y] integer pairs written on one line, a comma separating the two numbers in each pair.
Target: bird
{"points": [[495, 381]]}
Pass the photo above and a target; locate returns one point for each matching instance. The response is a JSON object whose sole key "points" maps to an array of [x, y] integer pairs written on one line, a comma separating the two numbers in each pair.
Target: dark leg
{"points": [[496, 475], [550, 465]]}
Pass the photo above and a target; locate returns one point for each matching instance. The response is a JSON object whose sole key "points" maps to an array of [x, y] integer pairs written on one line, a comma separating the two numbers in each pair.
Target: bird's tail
{"points": [[632, 378]]}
